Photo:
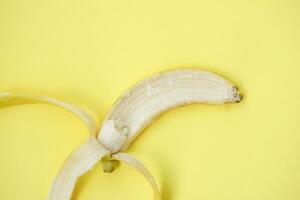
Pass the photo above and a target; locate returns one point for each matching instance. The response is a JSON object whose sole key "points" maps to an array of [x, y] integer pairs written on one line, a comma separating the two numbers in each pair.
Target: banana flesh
{"points": [[140, 104], [129, 115]]}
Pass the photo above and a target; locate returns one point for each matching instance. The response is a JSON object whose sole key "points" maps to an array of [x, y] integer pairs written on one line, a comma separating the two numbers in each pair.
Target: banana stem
{"points": [[109, 165]]}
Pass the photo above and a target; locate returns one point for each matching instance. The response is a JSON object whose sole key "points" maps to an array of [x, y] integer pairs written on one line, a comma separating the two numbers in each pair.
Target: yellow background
{"points": [[89, 52]]}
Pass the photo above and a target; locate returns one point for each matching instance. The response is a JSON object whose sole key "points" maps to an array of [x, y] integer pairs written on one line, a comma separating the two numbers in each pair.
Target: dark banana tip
{"points": [[237, 95]]}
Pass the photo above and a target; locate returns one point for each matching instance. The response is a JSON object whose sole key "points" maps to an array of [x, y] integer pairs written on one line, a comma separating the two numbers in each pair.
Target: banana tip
{"points": [[237, 95]]}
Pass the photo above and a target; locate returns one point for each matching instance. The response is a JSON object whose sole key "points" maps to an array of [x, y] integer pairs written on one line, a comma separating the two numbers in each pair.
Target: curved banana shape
{"points": [[132, 112], [139, 105]]}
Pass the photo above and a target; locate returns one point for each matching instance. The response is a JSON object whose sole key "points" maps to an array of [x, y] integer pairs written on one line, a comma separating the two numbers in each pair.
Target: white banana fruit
{"points": [[138, 106], [129, 115]]}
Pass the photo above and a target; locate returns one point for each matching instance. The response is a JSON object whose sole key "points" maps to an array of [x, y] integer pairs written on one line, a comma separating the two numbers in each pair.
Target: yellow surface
{"points": [[89, 52]]}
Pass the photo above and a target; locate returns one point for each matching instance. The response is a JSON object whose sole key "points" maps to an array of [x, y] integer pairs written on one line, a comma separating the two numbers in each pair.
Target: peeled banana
{"points": [[129, 115]]}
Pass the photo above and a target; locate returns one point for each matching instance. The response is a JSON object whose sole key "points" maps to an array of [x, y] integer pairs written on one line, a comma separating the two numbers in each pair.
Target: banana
{"points": [[140, 104], [130, 114]]}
